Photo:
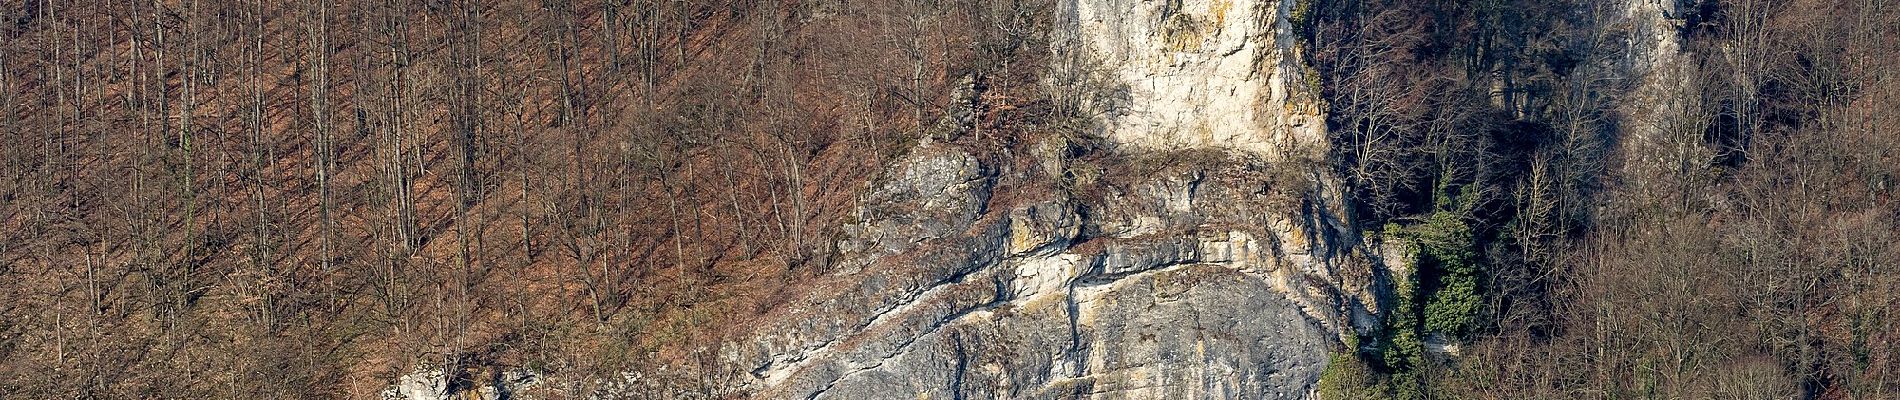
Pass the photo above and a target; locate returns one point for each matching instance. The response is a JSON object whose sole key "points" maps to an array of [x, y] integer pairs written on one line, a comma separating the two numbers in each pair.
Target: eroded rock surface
{"points": [[1202, 280], [1231, 274], [1202, 74], [434, 384]]}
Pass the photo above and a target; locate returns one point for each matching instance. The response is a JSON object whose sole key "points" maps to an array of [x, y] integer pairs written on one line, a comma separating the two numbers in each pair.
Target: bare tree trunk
{"points": [[190, 82], [317, 29]]}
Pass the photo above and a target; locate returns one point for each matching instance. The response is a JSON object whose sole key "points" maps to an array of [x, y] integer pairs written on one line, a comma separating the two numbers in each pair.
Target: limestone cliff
{"points": [[1204, 279], [1202, 73], [1229, 274]]}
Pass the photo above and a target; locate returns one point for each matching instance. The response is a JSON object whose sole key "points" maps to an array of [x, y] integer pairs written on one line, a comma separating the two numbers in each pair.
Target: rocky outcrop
{"points": [[1656, 63], [1202, 74], [1662, 114], [434, 384], [1230, 274], [1203, 280]]}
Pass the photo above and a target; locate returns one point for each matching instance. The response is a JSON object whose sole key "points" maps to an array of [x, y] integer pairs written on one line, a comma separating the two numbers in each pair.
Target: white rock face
{"points": [[1189, 283], [1662, 112], [422, 385], [1202, 74], [1656, 61], [1176, 284], [433, 384]]}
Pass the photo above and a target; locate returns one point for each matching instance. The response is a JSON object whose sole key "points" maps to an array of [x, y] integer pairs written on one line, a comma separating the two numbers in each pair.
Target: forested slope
{"points": [[1454, 199], [220, 199], [1677, 199]]}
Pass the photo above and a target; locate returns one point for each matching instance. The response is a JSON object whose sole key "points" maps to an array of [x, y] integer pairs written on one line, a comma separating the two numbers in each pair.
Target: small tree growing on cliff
{"points": [[1446, 249]]}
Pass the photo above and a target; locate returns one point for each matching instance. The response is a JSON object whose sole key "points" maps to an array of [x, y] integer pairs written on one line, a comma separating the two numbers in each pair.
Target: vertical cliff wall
{"points": [[1202, 73]]}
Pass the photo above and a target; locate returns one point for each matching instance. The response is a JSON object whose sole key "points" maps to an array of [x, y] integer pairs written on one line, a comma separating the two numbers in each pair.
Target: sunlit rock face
{"points": [[435, 384], [1230, 276], [1204, 279], [1201, 73], [1661, 110]]}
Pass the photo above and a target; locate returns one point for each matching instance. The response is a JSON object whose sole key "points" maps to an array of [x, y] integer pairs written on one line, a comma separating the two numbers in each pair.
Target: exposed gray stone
{"points": [[935, 191], [434, 384], [1207, 302], [1043, 224]]}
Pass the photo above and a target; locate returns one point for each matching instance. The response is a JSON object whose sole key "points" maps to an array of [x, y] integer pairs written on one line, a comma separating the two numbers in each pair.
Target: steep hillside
{"points": [[1389, 199], [219, 199]]}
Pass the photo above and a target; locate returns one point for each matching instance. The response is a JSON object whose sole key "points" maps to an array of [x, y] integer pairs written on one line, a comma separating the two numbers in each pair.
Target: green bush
{"points": [[1402, 349], [1454, 308], [1447, 249], [1301, 17], [1440, 295], [1348, 378]]}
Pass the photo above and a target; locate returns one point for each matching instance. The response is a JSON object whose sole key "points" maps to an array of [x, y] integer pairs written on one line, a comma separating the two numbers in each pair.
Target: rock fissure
{"points": [[777, 374], [962, 367], [896, 311]]}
